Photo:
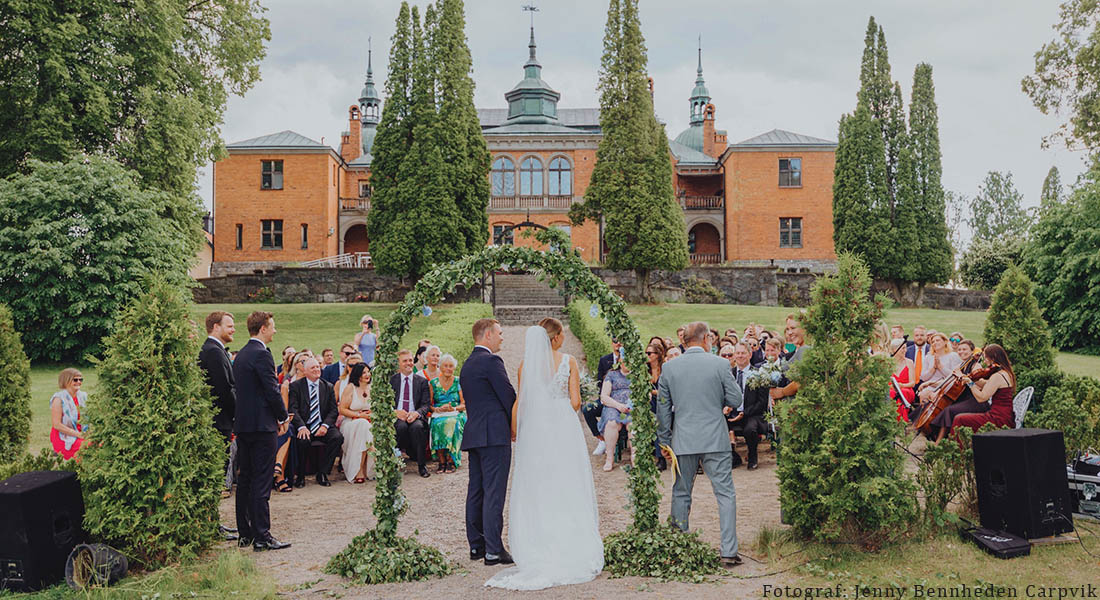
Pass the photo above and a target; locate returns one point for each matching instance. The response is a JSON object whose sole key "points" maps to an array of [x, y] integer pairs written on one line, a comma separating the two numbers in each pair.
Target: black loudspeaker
{"points": [[1022, 485], [41, 520]]}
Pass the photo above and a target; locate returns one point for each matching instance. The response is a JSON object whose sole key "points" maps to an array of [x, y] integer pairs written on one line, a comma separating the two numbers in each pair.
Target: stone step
{"points": [[511, 298], [527, 315]]}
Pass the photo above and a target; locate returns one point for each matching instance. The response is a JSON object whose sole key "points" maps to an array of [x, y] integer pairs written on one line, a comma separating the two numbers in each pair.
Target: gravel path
{"points": [[321, 521]]}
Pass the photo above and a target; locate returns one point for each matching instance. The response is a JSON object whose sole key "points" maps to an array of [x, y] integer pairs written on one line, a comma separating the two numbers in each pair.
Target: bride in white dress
{"points": [[553, 524]]}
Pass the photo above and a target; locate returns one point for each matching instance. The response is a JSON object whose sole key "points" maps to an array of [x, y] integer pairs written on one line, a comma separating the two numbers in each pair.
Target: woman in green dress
{"points": [[448, 416]]}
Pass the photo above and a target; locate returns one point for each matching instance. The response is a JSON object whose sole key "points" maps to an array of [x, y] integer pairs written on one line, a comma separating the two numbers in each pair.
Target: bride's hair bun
{"points": [[552, 326]]}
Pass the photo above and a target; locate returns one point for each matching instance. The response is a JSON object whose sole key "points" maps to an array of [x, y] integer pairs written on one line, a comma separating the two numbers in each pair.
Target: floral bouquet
{"points": [[590, 392], [769, 375]]}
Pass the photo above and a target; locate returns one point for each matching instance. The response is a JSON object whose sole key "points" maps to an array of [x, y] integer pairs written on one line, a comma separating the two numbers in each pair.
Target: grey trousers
{"points": [[718, 467]]}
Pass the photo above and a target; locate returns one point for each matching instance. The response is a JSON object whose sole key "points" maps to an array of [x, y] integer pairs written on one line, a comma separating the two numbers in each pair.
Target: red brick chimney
{"points": [[708, 131], [351, 142]]}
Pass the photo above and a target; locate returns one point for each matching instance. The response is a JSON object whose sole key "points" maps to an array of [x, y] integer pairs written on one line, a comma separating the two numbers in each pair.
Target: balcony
{"points": [[354, 205], [702, 202], [532, 203], [706, 259]]}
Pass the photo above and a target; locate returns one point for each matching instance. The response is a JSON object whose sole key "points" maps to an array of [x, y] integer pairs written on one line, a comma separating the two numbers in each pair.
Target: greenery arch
{"points": [[381, 556]]}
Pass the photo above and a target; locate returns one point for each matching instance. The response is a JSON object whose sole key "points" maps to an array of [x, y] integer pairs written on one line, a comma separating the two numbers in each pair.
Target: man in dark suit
{"points": [[217, 371], [751, 418], [332, 372], [259, 419], [413, 399], [488, 439], [592, 413], [313, 403]]}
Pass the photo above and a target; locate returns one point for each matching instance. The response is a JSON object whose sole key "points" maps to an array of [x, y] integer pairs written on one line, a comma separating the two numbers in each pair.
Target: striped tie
{"points": [[314, 410]]}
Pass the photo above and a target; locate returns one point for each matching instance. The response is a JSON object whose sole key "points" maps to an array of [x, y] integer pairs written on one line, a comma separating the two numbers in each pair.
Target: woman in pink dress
{"points": [[902, 378], [67, 434]]}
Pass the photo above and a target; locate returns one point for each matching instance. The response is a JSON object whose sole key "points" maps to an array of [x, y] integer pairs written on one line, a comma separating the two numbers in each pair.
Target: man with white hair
{"points": [[313, 402]]}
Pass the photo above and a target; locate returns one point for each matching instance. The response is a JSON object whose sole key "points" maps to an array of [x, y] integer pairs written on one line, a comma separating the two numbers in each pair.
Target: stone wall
{"points": [[742, 285], [312, 285]]}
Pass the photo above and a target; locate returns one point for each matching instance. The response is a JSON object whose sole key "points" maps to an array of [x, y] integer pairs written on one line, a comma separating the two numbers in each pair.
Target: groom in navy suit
{"points": [[488, 439]]}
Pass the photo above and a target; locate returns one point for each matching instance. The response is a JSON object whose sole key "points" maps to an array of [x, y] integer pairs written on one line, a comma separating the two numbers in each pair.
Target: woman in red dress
{"points": [[66, 433], [902, 378], [998, 391]]}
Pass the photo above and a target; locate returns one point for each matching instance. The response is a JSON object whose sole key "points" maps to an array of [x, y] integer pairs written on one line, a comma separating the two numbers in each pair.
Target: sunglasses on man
{"points": [[726, 355]]}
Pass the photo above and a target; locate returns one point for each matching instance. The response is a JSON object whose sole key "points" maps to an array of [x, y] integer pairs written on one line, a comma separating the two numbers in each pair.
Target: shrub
{"points": [[840, 479], [153, 466], [375, 558], [940, 477], [591, 331], [15, 391], [453, 332], [1015, 322], [665, 552], [983, 263], [1073, 407], [76, 241], [46, 460], [701, 291]]}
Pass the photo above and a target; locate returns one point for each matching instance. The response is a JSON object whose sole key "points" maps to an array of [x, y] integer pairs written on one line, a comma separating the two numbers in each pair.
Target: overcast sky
{"points": [[771, 64]]}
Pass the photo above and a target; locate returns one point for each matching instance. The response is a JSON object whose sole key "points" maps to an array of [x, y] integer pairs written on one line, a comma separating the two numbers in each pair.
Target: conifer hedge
{"points": [[152, 469], [15, 394]]}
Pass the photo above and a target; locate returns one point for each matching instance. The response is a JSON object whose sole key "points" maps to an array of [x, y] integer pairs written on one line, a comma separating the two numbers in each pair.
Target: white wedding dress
{"points": [[553, 524]]}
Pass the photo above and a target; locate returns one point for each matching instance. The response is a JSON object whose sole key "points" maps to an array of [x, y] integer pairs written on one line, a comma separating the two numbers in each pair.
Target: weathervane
{"points": [[531, 8]]}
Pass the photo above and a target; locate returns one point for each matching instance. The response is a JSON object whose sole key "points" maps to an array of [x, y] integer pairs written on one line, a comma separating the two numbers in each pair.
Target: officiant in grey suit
{"points": [[703, 391]]}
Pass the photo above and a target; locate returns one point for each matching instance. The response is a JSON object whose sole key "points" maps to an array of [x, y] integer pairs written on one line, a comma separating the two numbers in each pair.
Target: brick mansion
{"points": [[284, 198]]}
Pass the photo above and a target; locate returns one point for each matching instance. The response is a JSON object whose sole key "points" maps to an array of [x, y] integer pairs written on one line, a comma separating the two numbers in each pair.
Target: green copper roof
{"points": [[532, 100], [692, 137]]}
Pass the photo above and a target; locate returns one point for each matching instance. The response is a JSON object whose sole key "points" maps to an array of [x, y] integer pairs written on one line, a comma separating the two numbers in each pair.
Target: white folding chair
{"points": [[1020, 404]]}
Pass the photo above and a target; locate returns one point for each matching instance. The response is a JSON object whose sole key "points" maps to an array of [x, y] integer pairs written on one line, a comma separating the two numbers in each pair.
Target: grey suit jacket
{"points": [[698, 385]]}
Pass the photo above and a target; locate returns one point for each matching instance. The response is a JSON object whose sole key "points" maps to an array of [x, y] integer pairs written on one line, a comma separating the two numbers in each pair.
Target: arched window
{"points": [[530, 177], [504, 177], [561, 177]]}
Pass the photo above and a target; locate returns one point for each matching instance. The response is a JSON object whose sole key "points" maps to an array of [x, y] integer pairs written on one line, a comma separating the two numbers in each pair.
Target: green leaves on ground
{"points": [[664, 552], [15, 391], [76, 240], [152, 468], [377, 558]]}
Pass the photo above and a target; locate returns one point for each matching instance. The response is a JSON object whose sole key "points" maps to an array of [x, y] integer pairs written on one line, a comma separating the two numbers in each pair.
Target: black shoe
{"points": [[753, 466], [244, 542], [424, 472], [270, 544], [227, 534], [732, 561], [322, 480], [477, 554], [736, 458], [662, 464], [499, 559], [300, 482]]}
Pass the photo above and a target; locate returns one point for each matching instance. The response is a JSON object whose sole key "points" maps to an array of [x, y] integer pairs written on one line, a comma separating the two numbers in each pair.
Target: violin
{"points": [[948, 392]]}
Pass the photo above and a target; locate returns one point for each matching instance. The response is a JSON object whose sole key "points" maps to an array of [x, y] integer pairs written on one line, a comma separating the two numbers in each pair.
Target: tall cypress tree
{"points": [[1052, 190], [631, 185], [465, 154], [860, 220], [929, 204]]}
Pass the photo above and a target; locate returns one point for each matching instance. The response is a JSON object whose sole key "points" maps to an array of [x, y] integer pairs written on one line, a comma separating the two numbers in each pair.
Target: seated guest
{"points": [[615, 396], [412, 397], [725, 341], [313, 403], [431, 363], [592, 413], [355, 427], [917, 349], [288, 356], [327, 358], [680, 336], [880, 338], [954, 340], [938, 365], [668, 345], [751, 416], [754, 347], [998, 391], [66, 432], [672, 353], [448, 415], [734, 420], [332, 373], [902, 377], [659, 342], [732, 333], [966, 403], [897, 332], [419, 360], [712, 339], [654, 358]]}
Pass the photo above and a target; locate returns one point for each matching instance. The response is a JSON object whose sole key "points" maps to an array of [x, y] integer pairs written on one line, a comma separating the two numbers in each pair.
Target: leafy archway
{"points": [[380, 555]]}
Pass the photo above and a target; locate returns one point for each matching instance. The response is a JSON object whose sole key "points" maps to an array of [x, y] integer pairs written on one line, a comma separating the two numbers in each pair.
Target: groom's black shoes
{"points": [[477, 554], [499, 559]]}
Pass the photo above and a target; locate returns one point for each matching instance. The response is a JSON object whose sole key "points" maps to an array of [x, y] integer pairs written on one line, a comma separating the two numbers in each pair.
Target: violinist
{"points": [[966, 402], [997, 391]]}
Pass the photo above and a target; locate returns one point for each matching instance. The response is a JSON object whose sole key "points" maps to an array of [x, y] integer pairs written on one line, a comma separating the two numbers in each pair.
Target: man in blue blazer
{"points": [[259, 419], [333, 372], [488, 438]]}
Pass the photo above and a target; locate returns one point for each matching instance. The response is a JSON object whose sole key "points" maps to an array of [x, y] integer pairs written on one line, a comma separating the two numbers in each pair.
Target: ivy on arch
{"points": [[380, 555]]}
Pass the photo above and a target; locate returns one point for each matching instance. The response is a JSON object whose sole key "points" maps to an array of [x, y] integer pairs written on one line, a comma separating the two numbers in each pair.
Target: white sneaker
{"points": [[601, 447]]}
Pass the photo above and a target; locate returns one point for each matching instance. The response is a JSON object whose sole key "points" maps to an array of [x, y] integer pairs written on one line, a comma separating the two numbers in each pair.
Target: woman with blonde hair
{"points": [[66, 432], [937, 365]]}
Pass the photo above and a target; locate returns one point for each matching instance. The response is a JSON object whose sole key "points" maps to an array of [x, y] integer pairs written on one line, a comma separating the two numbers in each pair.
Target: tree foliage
{"points": [[1052, 194], [15, 391], [985, 261], [631, 185], [145, 83], [928, 202], [997, 210], [153, 467], [76, 239], [1067, 75], [431, 164], [839, 477], [1015, 322], [1063, 258]]}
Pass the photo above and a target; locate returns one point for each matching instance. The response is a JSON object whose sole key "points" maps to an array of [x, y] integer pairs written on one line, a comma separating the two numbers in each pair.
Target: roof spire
{"points": [[700, 96], [699, 70], [370, 73], [531, 60]]}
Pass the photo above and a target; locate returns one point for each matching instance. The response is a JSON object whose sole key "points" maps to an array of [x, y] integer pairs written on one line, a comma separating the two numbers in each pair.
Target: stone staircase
{"points": [[524, 300]]}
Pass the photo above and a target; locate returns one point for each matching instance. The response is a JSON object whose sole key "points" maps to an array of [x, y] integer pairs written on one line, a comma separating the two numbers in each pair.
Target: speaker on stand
{"points": [[41, 520], [1022, 484]]}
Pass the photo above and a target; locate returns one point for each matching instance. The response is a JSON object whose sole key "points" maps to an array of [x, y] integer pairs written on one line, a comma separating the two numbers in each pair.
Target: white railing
{"points": [[349, 260]]}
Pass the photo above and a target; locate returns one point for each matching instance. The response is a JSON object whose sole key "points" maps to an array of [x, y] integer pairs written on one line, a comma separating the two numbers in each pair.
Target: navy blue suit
{"points": [[259, 411], [488, 439], [331, 373]]}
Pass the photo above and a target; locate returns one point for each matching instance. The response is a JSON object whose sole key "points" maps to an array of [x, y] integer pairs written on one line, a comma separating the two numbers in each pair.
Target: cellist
{"points": [[966, 402]]}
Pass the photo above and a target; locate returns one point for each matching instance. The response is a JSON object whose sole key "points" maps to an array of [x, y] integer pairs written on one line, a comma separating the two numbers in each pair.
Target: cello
{"points": [[948, 392]]}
